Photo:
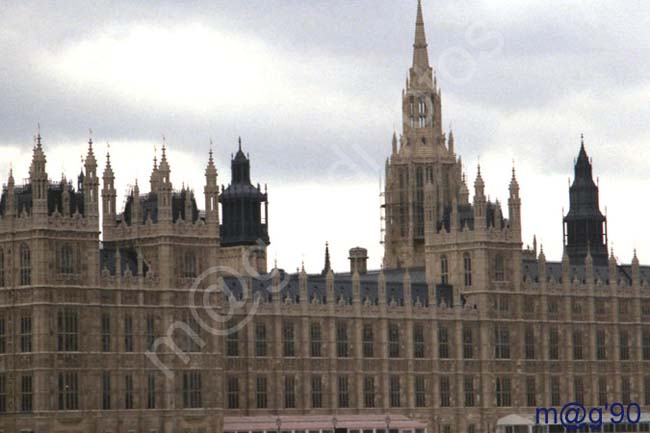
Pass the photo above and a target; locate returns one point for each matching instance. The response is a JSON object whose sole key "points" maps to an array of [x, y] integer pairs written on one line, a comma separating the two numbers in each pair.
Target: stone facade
{"points": [[163, 327]]}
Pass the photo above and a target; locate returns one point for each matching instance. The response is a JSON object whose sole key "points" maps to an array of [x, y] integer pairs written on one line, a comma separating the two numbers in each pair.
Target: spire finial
{"points": [[239, 143], [90, 137], [420, 54]]}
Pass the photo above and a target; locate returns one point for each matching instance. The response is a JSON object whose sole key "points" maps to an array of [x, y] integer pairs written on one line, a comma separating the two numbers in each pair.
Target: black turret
{"points": [[585, 227], [243, 221]]}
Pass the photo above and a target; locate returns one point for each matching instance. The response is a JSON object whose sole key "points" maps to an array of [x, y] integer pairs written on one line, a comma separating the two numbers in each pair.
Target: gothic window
{"points": [[394, 391], [316, 340], [150, 332], [468, 389], [444, 270], [260, 339], [645, 344], [646, 390], [422, 113], [531, 395], [625, 390], [66, 260], [189, 265], [445, 400], [503, 392], [502, 343], [368, 341], [316, 392], [192, 390], [106, 332], [553, 344], [232, 340], [3, 393], [624, 348], [26, 393], [529, 342], [601, 348], [578, 346], [233, 392], [192, 336], [261, 392], [467, 268], [418, 341], [128, 334], [344, 392], [602, 391], [578, 389], [369, 391], [151, 391], [393, 341], [106, 391], [2, 268], [288, 334], [26, 334], [342, 348], [289, 392], [420, 391], [2, 335], [499, 268], [67, 330], [443, 342], [68, 391], [25, 265], [468, 343]]}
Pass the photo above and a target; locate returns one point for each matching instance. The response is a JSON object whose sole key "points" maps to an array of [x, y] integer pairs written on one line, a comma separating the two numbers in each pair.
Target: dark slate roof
{"points": [[149, 207], [129, 260], [23, 199], [554, 272]]}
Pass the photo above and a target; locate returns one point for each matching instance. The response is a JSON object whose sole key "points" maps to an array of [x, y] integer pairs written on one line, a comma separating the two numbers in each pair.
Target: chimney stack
{"points": [[358, 260]]}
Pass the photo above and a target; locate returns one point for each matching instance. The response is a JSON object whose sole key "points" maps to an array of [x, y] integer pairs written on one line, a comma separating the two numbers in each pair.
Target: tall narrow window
{"points": [[645, 344], [233, 392], [261, 392], [344, 392], [445, 400], [393, 341], [232, 340], [26, 334], [192, 392], [25, 265], [602, 391], [601, 345], [625, 390], [316, 340], [555, 391], [128, 391], [502, 343], [468, 343], [128, 334], [553, 344], [289, 343], [68, 391], [578, 346], [106, 391], [503, 391], [624, 348], [3, 393], [342, 348], [369, 391], [66, 260], [68, 330], [151, 391], [2, 335], [529, 342], [420, 391], [368, 341], [150, 331], [2, 268], [444, 270], [26, 393], [467, 269], [316, 391], [578, 389], [418, 341], [394, 385], [531, 395], [468, 388], [289, 392], [646, 390], [443, 342], [189, 265], [499, 268], [192, 339], [106, 332], [260, 339]]}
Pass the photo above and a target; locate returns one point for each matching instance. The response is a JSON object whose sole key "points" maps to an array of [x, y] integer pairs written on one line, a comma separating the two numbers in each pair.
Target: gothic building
{"points": [[161, 316]]}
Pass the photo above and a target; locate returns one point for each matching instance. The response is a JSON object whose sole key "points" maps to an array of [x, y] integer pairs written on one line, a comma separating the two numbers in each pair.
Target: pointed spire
{"points": [[450, 141], [479, 184], [420, 54], [394, 142], [328, 267], [239, 143], [11, 182]]}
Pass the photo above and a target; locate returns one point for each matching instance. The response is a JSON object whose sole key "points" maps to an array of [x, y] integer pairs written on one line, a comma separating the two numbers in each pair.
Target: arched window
{"points": [[25, 266], [499, 268], [189, 265], [444, 270], [467, 267], [2, 268], [65, 260]]}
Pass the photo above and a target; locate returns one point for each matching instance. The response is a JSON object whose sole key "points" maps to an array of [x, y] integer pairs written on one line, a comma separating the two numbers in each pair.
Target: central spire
{"points": [[420, 54]]}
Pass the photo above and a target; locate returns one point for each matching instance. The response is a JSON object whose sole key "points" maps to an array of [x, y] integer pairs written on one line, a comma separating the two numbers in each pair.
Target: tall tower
{"points": [[423, 156], [585, 227]]}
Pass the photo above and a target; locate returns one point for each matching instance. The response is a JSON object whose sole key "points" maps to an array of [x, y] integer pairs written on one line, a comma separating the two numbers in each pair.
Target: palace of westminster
{"points": [[101, 331]]}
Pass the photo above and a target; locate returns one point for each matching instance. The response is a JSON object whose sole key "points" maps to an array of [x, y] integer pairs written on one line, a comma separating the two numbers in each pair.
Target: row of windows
{"points": [[499, 273], [64, 260], [502, 342]]}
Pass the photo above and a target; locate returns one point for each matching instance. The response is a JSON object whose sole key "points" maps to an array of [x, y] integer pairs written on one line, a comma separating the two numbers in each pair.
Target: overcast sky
{"points": [[314, 88]]}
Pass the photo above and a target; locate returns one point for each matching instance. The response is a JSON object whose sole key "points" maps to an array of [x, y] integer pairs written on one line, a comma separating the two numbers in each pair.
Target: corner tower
{"points": [[585, 227], [422, 154]]}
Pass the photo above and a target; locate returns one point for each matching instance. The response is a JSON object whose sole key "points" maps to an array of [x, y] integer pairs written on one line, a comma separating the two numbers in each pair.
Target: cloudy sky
{"points": [[313, 88]]}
